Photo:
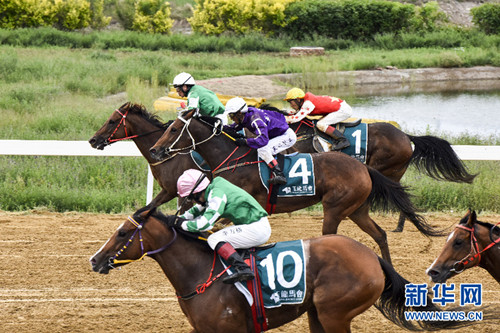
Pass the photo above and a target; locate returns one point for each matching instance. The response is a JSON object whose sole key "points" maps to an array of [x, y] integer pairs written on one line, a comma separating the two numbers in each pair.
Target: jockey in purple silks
{"points": [[272, 133]]}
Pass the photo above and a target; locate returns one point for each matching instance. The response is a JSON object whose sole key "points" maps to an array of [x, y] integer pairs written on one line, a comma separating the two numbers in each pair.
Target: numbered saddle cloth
{"points": [[299, 172], [282, 272]]}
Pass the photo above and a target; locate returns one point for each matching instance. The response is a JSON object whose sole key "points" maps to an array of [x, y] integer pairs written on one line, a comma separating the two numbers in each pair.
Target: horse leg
{"points": [[362, 218], [401, 223], [314, 324], [331, 220]]}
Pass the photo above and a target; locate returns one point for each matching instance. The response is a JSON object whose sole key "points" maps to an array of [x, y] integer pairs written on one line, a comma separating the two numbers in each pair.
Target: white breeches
{"points": [[342, 114], [243, 236], [277, 145]]}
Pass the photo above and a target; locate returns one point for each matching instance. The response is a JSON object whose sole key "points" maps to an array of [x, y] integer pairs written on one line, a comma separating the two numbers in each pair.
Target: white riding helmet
{"points": [[236, 104], [182, 79], [188, 180]]}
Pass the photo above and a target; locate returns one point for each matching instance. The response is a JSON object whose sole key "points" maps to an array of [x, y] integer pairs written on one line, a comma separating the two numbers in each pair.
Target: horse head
{"points": [[462, 249], [126, 122], [132, 241], [184, 134]]}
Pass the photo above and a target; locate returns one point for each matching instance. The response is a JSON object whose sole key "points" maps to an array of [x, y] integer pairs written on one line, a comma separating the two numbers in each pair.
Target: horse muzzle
{"points": [[102, 267], [159, 153], [440, 275], [98, 143]]}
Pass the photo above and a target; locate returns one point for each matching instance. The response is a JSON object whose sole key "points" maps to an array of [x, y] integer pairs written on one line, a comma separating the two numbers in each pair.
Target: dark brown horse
{"points": [[132, 121], [343, 279], [389, 150], [344, 186], [472, 243]]}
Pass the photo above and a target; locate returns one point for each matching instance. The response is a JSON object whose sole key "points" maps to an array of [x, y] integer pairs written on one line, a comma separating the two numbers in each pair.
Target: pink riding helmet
{"points": [[188, 180]]}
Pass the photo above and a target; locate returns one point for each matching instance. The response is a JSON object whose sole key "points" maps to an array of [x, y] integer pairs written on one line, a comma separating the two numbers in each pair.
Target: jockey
{"points": [[273, 135], [333, 109], [221, 199], [199, 97]]}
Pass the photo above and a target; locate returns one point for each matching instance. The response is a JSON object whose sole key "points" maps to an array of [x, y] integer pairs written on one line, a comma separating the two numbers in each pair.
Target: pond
{"points": [[452, 113]]}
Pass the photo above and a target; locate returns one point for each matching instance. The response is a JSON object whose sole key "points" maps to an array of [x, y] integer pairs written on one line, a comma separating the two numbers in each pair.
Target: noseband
{"points": [[459, 266], [139, 226]]}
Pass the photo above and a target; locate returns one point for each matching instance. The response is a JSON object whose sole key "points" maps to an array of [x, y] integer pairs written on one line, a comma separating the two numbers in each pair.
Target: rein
{"points": [[123, 121], [459, 266], [193, 141], [216, 131], [200, 289]]}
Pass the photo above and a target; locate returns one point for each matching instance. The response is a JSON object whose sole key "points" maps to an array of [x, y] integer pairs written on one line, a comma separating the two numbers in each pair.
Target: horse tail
{"points": [[437, 158], [386, 193], [392, 304]]}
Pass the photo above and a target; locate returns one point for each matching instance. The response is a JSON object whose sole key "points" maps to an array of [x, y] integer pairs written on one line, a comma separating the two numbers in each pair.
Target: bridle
{"points": [[123, 121], [459, 266], [139, 226], [200, 289], [216, 130]]}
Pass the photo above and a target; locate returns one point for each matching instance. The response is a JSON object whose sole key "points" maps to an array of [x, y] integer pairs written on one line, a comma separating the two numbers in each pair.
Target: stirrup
{"points": [[277, 180], [341, 145], [238, 277]]}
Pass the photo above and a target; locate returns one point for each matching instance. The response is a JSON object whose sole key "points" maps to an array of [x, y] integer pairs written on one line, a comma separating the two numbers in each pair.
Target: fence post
{"points": [[149, 191]]}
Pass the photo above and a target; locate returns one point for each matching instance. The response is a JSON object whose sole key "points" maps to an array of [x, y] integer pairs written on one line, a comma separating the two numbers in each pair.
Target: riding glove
{"points": [[174, 221], [241, 142]]}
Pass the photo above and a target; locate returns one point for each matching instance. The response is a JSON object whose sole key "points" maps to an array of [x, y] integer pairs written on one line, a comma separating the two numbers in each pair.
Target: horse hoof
{"points": [[398, 230]]}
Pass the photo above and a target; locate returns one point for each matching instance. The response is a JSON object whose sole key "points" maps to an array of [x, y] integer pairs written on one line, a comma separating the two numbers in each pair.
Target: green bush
{"points": [[487, 17], [214, 17], [429, 17], [26, 13], [97, 19], [152, 16], [349, 19]]}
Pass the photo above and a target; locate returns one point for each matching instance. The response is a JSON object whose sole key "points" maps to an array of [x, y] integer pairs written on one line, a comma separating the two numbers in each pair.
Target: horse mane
{"points": [[193, 236], [141, 110]]}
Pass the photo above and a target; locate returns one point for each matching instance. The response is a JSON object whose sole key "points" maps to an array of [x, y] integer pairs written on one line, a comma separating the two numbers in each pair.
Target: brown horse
{"points": [[344, 186], [389, 150], [343, 279], [472, 243], [132, 121]]}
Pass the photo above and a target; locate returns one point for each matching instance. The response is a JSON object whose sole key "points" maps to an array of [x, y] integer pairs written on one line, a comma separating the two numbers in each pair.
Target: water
{"points": [[439, 113], [454, 114]]}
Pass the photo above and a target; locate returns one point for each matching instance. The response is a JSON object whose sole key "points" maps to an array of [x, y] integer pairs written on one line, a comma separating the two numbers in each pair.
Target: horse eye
{"points": [[174, 129], [122, 233], [458, 242], [111, 122]]}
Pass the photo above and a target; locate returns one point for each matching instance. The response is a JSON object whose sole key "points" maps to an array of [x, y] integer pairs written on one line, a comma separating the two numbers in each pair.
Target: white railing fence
{"points": [[122, 148]]}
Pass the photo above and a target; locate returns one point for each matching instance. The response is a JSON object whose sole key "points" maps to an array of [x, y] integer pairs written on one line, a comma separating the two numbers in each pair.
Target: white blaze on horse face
{"points": [[450, 236], [435, 260], [102, 247]]}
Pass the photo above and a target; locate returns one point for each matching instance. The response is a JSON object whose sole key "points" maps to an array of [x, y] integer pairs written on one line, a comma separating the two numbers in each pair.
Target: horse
{"points": [[472, 243], [344, 186], [133, 121], [389, 150], [343, 279]]}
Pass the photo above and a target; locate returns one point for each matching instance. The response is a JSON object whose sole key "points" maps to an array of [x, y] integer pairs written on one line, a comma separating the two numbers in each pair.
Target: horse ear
{"points": [[472, 218]]}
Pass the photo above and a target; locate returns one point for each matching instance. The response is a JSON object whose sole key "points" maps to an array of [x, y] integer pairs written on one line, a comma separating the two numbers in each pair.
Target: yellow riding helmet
{"points": [[294, 93]]}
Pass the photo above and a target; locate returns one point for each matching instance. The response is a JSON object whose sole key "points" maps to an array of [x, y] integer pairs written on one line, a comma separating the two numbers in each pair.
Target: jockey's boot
{"points": [[341, 140], [241, 271], [278, 176]]}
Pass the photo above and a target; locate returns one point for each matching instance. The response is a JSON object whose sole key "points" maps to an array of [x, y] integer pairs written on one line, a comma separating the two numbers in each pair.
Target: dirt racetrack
{"points": [[46, 284]]}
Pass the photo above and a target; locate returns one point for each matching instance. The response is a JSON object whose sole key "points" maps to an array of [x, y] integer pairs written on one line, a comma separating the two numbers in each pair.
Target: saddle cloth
{"points": [[299, 172], [281, 270]]}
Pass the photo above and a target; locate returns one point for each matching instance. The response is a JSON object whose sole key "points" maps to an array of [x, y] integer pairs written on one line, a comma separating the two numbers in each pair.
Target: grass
{"points": [[61, 93]]}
